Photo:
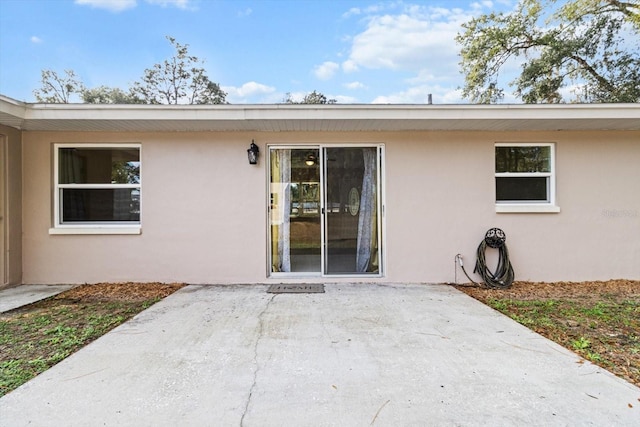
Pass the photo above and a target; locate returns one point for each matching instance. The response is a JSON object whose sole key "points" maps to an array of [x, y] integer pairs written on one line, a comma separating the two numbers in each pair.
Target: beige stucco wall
{"points": [[12, 220], [204, 209]]}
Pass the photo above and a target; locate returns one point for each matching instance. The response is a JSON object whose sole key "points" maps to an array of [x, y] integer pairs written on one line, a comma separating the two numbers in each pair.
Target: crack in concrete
{"points": [[255, 357]]}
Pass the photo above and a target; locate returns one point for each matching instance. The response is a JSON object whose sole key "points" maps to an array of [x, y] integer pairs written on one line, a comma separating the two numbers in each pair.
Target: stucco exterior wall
{"points": [[204, 208], [12, 193], [451, 205]]}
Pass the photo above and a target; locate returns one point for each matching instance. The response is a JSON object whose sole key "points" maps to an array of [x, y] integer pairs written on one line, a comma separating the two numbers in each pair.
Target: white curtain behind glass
{"points": [[283, 158], [367, 232]]}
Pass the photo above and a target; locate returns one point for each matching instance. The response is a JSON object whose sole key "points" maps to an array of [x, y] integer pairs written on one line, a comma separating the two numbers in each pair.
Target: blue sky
{"points": [[354, 51]]}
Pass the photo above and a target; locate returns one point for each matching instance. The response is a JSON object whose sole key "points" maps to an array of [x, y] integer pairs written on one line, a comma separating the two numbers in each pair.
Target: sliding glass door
{"points": [[325, 210], [295, 210]]}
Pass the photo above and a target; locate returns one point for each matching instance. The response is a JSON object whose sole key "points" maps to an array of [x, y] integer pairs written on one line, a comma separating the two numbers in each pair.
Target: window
{"points": [[97, 188], [525, 178]]}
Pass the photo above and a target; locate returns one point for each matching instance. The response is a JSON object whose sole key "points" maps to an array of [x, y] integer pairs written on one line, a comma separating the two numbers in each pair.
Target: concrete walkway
{"points": [[357, 355], [18, 296]]}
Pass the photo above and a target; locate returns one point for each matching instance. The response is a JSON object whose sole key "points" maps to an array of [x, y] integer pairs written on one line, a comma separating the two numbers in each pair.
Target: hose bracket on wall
{"points": [[503, 277]]}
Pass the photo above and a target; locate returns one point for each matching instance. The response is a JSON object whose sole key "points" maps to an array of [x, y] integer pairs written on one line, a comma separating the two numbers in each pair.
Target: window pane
{"points": [[99, 165], [522, 189], [100, 205], [523, 159]]}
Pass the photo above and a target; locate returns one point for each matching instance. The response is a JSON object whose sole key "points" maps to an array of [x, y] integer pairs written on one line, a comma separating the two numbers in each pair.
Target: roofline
{"points": [[39, 116]]}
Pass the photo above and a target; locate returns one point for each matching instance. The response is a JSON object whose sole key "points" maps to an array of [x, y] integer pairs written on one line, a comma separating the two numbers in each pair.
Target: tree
{"points": [[109, 95], [123, 172], [58, 89], [178, 80], [310, 98], [590, 44]]}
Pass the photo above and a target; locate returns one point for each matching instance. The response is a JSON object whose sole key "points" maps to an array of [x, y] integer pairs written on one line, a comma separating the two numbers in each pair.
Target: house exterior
{"points": [[356, 193]]}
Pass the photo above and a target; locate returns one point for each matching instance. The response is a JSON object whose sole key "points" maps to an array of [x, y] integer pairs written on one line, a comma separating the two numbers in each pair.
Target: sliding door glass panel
{"points": [[295, 210], [351, 206]]}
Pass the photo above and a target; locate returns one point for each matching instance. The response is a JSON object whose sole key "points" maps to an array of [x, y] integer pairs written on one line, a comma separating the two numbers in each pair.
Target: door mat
{"points": [[300, 288]]}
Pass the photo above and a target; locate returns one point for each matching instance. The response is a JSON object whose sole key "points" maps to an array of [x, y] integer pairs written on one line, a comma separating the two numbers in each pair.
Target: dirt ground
{"points": [[130, 292], [582, 290]]}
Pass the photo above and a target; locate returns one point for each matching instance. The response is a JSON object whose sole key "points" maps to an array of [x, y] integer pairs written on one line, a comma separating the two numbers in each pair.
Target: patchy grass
{"points": [[35, 337], [600, 321]]}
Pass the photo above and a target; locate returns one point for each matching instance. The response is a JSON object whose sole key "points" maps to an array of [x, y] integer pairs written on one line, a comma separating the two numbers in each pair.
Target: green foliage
{"points": [[594, 357], [310, 98], [109, 95], [57, 88], [581, 343], [123, 172], [15, 373], [590, 44], [178, 80]]}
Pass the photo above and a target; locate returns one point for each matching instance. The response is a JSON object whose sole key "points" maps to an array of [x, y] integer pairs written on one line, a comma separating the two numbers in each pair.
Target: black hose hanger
{"points": [[503, 277]]}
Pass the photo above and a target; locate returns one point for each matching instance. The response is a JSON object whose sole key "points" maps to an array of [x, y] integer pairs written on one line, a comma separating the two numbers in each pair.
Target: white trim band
{"points": [[96, 230], [527, 208]]}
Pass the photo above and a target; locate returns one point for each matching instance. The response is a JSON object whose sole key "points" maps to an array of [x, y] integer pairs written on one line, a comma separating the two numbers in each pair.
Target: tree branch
{"points": [[587, 67]]}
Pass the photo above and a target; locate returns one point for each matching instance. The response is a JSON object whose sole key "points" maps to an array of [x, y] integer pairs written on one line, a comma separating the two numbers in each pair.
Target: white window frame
{"points": [[124, 227], [532, 206]]}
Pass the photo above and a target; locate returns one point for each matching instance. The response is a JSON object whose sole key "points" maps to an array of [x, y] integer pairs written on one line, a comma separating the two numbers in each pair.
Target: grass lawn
{"points": [[35, 337]]}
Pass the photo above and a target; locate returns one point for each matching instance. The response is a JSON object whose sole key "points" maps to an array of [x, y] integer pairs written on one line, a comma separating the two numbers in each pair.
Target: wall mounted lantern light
{"points": [[253, 153]]}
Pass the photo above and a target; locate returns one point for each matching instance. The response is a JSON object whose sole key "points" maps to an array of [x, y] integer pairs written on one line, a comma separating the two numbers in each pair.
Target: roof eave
{"points": [[309, 117]]}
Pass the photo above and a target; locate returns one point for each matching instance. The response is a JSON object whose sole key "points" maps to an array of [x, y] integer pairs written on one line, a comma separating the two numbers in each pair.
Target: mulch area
{"points": [[130, 292], [572, 290]]}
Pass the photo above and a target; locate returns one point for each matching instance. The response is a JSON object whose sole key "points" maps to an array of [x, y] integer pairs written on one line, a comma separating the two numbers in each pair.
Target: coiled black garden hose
{"points": [[503, 277]]}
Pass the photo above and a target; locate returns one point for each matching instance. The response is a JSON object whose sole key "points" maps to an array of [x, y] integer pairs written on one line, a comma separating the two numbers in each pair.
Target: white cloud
{"points": [[296, 96], [180, 4], [245, 12], [482, 4], [349, 66], [110, 5], [343, 99], [376, 8], [248, 92], [420, 95], [120, 5], [36, 39], [354, 85], [354, 11], [572, 91], [326, 70], [420, 37], [412, 39]]}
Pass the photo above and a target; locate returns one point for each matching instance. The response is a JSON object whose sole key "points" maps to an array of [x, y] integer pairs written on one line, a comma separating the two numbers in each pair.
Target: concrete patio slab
{"points": [[18, 296], [356, 355]]}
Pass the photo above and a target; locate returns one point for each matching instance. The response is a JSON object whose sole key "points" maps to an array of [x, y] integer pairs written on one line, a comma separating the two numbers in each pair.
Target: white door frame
{"points": [[381, 229]]}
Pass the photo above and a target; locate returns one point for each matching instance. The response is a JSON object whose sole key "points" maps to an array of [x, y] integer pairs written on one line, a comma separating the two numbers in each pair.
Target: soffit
{"points": [[310, 118]]}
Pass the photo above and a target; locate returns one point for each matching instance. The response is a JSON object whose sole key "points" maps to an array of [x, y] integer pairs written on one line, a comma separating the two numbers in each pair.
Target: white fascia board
{"points": [[387, 117], [12, 112], [324, 112]]}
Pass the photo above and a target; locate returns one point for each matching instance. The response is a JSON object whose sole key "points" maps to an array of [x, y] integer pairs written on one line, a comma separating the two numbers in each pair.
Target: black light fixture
{"points": [[253, 153]]}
